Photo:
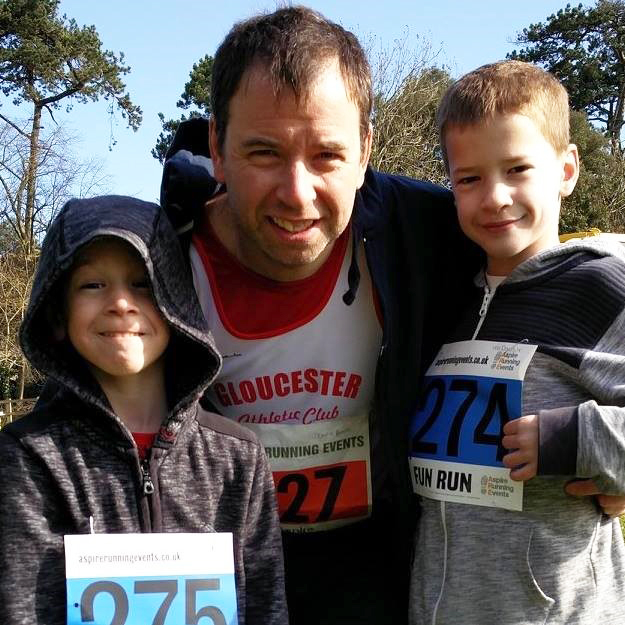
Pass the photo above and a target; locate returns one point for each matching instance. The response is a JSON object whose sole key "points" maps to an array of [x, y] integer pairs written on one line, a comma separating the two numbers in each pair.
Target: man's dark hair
{"points": [[292, 44]]}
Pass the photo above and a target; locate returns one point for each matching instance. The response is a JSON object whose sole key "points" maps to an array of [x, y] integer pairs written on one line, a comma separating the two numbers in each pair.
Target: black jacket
{"points": [[422, 267], [72, 459]]}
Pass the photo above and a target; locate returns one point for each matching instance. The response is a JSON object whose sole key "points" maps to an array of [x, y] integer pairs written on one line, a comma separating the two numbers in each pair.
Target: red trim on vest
{"points": [[252, 306]]}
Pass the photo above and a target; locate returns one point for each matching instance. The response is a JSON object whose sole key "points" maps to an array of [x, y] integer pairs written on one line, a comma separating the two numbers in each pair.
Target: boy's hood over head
{"points": [[192, 360]]}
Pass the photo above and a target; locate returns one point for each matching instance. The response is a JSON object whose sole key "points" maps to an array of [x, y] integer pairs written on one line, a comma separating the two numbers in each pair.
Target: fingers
{"points": [[612, 505], [523, 465], [523, 473], [521, 436], [582, 488], [521, 432]]}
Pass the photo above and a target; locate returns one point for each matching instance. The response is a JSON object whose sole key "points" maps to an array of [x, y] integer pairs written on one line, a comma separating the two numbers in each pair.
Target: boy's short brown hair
{"points": [[507, 87]]}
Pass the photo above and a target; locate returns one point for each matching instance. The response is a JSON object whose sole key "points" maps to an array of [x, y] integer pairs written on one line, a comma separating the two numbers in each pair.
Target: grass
{"points": [[622, 520]]}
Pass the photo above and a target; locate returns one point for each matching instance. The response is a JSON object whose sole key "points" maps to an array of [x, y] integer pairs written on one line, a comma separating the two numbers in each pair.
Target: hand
{"points": [[521, 436], [612, 505]]}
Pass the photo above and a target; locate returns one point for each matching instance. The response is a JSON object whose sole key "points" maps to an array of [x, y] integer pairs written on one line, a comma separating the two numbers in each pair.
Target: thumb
{"points": [[581, 488]]}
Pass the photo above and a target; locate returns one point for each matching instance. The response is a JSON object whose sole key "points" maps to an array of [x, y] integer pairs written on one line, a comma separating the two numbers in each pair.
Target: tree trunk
{"points": [[22, 379], [31, 180]]}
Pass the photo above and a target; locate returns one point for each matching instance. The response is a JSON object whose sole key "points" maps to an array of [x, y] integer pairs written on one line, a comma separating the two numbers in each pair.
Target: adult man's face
{"points": [[292, 170]]}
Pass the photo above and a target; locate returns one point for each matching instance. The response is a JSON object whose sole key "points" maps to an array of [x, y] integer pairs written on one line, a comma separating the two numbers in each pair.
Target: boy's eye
{"points": [[519, 169], [91, 285], [467, 179], [142, 283]]}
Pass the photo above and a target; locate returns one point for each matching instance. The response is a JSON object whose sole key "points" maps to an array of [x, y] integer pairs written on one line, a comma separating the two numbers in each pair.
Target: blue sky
{"points": [[161, 41]]}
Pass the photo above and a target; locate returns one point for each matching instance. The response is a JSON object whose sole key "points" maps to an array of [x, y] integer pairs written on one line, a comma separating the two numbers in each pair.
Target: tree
{"points": [[407, 88], [405, 136], [599, 197], [196, 96], [585, 49], [46, 60], [59, 177]]}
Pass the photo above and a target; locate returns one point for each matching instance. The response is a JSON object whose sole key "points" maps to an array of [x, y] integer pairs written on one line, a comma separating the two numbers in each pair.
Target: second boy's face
{"points": [[112, 320], [508, 181]]}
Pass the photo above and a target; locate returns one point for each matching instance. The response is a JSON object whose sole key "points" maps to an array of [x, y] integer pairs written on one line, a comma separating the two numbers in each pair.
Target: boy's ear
{"points": [[570, 170], [56, 321]]}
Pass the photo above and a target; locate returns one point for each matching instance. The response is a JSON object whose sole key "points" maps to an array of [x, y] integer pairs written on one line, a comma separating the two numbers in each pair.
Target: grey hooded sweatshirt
{"points": [[72, 459], [560, 561]]}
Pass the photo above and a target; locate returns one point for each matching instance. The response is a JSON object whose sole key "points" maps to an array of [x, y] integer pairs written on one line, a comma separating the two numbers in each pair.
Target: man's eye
{"points": [[264, 153]]}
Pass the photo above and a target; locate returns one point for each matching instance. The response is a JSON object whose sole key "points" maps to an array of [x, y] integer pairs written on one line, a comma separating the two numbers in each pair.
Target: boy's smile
{"points": [[112, 320], [508, 181]]}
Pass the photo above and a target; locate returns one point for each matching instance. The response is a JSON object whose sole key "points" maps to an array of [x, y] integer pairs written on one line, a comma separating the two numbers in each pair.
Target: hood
{"points": [[561, 257], [192, 360]]}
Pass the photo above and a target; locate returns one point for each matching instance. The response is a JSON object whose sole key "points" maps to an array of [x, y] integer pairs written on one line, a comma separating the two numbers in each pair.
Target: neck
{"points": [[138, 400]]}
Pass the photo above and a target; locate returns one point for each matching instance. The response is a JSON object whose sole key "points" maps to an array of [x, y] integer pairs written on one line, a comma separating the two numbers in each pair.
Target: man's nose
{"points": [[297, 186]]}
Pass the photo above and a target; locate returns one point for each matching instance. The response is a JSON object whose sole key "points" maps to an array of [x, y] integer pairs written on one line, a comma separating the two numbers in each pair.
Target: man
{"points": [[317, 276]]}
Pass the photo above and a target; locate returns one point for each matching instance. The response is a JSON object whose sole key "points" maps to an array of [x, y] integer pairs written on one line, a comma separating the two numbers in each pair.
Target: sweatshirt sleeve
{"points": [[31, 543], [265, 602], [593, 432]]}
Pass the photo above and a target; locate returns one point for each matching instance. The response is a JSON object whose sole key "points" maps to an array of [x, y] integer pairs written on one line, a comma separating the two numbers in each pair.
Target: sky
{"points": [[161, 41]]}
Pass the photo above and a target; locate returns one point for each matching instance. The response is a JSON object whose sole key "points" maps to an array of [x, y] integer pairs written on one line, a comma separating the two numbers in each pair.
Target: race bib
{"points": [[157, 579], [321, 471], [470, 391]]}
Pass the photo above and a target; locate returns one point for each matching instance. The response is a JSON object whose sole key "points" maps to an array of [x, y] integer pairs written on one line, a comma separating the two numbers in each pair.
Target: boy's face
{"points": [[508, 181], [112, 320]]}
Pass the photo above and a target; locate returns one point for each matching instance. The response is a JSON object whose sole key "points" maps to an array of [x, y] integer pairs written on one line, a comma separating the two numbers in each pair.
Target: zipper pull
{"points": [[488, 294], [148, 485]]}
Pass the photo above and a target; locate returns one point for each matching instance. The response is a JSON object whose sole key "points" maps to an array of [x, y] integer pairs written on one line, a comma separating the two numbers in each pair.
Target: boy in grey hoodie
{"points": [[529, 393], [121, 445]]}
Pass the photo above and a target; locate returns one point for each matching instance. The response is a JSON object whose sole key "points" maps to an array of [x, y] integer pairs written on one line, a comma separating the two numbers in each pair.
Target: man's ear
{"points": [[216, 154], [365, 153], [570, 173]]}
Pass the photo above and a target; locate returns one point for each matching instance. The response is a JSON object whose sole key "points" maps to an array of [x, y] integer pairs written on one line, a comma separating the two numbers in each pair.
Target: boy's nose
{"points": [[496, 196], [121, 302], [296, 188]]}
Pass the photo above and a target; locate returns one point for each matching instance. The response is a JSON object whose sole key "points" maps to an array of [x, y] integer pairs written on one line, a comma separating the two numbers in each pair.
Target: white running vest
{"points": [[307, 394]]}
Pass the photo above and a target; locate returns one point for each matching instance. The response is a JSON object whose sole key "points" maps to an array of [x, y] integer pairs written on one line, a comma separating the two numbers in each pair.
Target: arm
{"points": [[264, 569], [31, 545], [587, 440]]}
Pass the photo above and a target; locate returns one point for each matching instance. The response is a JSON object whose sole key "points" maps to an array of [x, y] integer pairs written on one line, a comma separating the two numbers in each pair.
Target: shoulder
{"points": [[37, 422], [601, 278], [395, 192], [226, 428]]}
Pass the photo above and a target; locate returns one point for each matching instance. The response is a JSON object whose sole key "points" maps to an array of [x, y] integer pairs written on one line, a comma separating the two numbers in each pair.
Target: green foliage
{"points": [[196, 95], [585, 48], [46, 60], [405, 137], [599, 197]]}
